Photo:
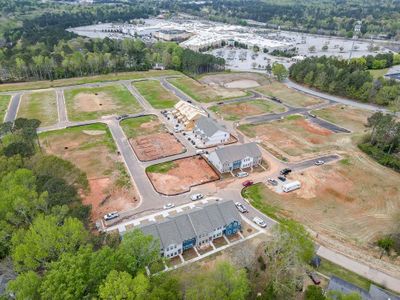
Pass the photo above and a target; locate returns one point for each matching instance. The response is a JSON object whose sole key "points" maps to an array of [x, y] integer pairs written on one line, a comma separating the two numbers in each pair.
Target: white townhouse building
{"points": [[209, 132], [234, 157]]}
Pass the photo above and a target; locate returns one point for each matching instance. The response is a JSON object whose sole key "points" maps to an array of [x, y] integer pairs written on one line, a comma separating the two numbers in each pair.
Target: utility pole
{"points": [[357, 30]]}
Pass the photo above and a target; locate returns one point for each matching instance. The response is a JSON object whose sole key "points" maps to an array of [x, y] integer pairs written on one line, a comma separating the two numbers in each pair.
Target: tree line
{"points": [[349, 78]]}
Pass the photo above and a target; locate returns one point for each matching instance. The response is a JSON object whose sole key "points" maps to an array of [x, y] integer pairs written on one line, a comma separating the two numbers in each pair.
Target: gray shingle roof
{"points": [[192, 223], [238, 152], [208, 126], [377, 293], [340, 285]]}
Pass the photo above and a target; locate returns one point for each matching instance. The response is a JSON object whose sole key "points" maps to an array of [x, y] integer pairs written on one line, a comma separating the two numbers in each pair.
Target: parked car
{"points": [[220, 103], [260, 222], [282, 178], [241, 207], [111, 215], [312, 115], [177, 130], [247, 183], [189, 101], [319, 162], [272, 181], [195, 197], [169, 205], [276, 99], [314, 277], [242, 174], [285, 171], [200, 151]]}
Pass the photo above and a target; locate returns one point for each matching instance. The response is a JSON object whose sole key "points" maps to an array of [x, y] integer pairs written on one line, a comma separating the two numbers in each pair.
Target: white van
{"points": [[242, 174], [291, 186]]}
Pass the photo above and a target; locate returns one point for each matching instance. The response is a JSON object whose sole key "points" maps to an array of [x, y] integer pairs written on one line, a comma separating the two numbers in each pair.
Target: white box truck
{"points": [[291, 186]]}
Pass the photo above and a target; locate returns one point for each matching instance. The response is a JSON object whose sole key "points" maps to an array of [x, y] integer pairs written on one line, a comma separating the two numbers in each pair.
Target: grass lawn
{"points": [[162, 168], [287, 95], [378, 73], [4, 101], [203, 92], [330, 269], [156, 94], [157, 266], [239, 110], [82, 80], [41, 106], [92, 103], [140, 126], [89, 147], [351, 118]]}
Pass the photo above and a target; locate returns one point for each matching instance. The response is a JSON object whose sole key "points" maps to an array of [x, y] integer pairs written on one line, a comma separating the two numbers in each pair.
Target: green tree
{"points": [[46, 239], [137, 251], [225, 283], [25, 286], [279, 71], [121, 285], [385, 243]]}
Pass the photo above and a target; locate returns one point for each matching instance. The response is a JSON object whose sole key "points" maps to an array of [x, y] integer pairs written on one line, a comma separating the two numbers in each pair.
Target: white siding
{"points": [[173, 250]]}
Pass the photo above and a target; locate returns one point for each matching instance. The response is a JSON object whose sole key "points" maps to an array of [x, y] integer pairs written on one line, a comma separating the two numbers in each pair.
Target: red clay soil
{"points": [[104, 199], [155, 146], [188, 172], [311, 128]]}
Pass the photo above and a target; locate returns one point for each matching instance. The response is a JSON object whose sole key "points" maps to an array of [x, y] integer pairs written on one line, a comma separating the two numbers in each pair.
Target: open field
{"points": [[179, 176], [348, 117], [4, 101], [235, 80], [156, 94], [92, 149], [204, 92], [92, 103], [41, 106], [239, 110], [150, 139], [294, 136], [287, 95], [5, 87]]}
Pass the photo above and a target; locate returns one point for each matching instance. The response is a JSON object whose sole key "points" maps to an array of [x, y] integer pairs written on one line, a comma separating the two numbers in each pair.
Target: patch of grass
{"points": [[156, 266], [330, 269], [83, 80], [345, 161], [161, 168], [4, 101], [156, 94], [294, 117], [239, 110], [132, 127], [248, 129], [378, 73], [123, 179], [41, 106], [288, 95], [255, 194], [122, 99]]}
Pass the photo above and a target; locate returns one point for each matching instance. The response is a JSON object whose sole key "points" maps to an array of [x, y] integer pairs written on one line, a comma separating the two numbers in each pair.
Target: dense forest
{"points": [[350, 79], [337, 17]]}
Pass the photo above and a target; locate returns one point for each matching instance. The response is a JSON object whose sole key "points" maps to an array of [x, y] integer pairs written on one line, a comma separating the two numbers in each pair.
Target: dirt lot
{"points": [[351, 118], [235, 80], [150, 139], [239, 110], [180, 175], [203, 92], [287, 95], [295, 137], [92, 103], [41, 106], [93, 151]]}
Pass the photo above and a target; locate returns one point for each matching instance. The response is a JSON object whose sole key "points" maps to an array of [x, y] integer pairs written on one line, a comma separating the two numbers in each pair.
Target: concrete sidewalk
{"points": [[360, 269]]}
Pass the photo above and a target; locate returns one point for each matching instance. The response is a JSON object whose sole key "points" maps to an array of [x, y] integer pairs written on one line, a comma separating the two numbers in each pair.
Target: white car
{"points": [[241, 207], [260, 222], [195, 197], [169, 205], [242, 174], [111, 215], [200, 151], [319, 162]]}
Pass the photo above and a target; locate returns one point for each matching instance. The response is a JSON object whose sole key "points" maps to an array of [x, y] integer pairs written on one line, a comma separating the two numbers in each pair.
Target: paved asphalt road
{"points": [[13, 108]]}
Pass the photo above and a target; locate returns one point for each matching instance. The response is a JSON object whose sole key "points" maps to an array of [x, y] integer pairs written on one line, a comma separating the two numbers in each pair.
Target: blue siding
{"points": [[189, 244], [232, 228], [236, 164]]}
